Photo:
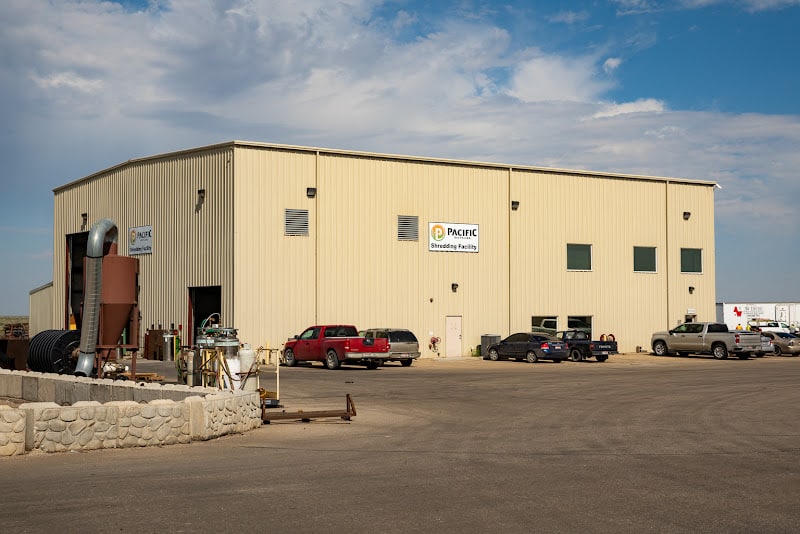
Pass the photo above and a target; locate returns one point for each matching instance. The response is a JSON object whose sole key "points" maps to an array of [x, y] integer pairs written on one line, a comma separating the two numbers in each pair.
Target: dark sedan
{"points": [[530, 347]]}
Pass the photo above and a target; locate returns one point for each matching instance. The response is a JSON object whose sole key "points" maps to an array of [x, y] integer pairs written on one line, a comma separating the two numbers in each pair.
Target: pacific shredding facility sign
{"points": [[453, 237], [140, 240]]}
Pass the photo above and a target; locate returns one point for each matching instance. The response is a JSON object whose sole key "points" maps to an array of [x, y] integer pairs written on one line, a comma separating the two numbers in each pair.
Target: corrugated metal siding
{"points": [[371, 279], [351, 268], [192, 244], [696, 232], [611, 215], [40, 302], [275, 274]]}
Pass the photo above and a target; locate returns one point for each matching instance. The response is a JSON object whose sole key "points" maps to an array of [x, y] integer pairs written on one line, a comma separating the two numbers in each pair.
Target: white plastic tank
{"points": [[247, 359], [235, 367]]}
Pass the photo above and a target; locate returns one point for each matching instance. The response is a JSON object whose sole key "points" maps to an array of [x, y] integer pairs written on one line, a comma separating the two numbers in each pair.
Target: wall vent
{"points": [[295, 222], [407, 228]]}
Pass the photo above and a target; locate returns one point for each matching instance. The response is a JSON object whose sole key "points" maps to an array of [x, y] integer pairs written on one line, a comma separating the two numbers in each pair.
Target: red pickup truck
{"points": [[334, 345]]}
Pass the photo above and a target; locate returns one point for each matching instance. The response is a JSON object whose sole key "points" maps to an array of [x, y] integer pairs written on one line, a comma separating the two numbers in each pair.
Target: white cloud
{"points": [[632, 7], [90, 85], [569, 17], [549, 77], [403, 20], [611, 64], [647, 105], [762, 5], [67, 80]]}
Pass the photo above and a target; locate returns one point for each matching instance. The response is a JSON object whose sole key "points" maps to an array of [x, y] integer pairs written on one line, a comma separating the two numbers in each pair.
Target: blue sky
{"points": [[702, 89]]}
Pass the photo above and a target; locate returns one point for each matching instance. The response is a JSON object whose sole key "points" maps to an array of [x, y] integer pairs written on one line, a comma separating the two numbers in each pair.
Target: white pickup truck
{"points": [[706, 338]]}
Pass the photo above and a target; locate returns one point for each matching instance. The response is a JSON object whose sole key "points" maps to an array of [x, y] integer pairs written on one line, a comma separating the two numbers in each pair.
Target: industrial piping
{"points": [[103, 230]]}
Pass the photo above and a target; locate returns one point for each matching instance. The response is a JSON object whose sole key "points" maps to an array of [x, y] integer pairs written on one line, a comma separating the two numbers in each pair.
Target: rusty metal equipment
{"points": [[111, 313], [267, 416], [110, 321]]}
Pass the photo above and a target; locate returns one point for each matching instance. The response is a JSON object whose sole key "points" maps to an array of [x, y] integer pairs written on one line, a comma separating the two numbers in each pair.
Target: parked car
{"points": [[528, 346], [766, 346], [783, 343], [706, 338], [334, 345], [403, 344], [580, 346]]}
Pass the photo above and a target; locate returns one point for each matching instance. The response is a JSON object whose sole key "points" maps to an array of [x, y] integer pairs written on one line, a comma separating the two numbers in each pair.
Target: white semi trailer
{"points": [[739, 313]]}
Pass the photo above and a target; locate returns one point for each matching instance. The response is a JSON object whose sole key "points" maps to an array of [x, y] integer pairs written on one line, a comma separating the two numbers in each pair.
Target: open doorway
{"points": [[203, 303], [75, 259]]}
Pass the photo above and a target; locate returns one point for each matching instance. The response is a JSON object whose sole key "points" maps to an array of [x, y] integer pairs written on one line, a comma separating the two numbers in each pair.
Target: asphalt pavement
{"points": [[635, 444]]}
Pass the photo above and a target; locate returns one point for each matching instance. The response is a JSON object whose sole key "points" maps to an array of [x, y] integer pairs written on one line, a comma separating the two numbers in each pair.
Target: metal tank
{"points": [[110, 301], [110, 308], [215, 343], [117, 296]]}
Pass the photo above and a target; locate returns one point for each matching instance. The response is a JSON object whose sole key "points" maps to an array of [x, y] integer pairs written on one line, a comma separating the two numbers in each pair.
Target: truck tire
{"points": [[372, 365], [576, 355], [744, 355], [602, 358], [406, 363], [332, 360], [719, 351], [493, 355], [531, 357], [288, 357], [660, 348]]}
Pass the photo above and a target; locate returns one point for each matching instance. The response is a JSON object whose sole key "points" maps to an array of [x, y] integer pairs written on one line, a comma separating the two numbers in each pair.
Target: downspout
{"points": [[102, 231], [316, 240], [668, 250], [508, 255]]}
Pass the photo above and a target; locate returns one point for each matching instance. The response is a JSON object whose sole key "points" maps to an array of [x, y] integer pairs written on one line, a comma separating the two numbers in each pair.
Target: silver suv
{"points": [[403, 344]]}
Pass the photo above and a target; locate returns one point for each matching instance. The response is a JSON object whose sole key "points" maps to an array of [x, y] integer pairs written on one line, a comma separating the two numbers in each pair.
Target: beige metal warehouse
{"points": [[276, 238]]}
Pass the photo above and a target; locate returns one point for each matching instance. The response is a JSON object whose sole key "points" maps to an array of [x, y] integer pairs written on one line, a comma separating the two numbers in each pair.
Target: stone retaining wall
{"points": [[67, 413]]}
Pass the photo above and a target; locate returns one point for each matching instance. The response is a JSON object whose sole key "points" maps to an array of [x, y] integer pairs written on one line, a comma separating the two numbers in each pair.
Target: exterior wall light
{"points": [[311, 192], [454, 287], [514, 205], [691, 289], [201, 197], [84, 220], [686, 215]]}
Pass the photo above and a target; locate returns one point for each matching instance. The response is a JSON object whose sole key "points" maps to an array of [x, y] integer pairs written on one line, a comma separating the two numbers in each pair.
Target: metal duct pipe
{"points": [[102, 231]]}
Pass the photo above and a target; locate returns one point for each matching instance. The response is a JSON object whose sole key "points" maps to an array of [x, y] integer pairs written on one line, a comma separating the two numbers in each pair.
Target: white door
{"points": [[452, 339]]}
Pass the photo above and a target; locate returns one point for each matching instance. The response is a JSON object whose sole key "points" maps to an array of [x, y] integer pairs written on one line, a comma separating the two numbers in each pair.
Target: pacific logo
{"points": [[437, 232]]}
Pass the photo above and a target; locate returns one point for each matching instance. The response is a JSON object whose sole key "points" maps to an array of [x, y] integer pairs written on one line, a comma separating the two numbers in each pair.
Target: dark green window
{"points": [[691, 260], [644, 259], [579, 257]]}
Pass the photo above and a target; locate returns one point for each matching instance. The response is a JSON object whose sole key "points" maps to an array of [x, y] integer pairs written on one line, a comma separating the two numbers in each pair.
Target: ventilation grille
{"points": [[296, 222], [407, 228]]}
